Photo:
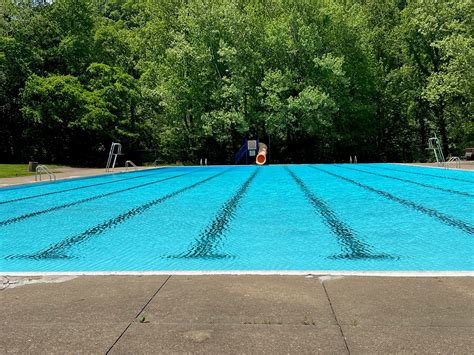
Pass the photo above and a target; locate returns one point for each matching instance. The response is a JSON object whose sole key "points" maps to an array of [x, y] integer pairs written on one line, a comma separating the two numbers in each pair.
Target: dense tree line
{"points": [[183, 79]]}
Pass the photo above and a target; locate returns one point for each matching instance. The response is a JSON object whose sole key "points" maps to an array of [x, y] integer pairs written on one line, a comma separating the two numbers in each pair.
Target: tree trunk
{"points": [[422, 127], [443, 129]]}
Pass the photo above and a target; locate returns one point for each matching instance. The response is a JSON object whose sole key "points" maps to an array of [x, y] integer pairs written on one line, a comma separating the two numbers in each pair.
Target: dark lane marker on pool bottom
{"points": [[56, 251], [208, 241], [75, 203], [75, 188], [422, 174], [462, 193], [448, 220], [353, 248]]}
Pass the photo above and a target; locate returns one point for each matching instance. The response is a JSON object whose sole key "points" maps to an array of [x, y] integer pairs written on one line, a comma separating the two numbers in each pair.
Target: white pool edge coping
{"points": [[248, 272]]}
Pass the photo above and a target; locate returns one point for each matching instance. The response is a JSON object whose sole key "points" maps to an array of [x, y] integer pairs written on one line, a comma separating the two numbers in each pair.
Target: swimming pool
{"points": [[379, 217]]}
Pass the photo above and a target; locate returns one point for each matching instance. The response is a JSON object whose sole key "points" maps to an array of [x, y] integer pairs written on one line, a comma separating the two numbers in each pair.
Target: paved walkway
{"points": [[237, 314], [65, 173], [464, 165]]}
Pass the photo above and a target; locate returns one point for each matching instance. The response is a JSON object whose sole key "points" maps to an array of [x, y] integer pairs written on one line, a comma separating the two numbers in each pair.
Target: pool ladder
{"points": [[43, 169], [130, 163], [454, 162]]}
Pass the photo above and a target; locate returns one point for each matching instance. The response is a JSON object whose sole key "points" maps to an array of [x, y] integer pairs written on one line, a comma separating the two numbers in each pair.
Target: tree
{"points": [[192, 79]]}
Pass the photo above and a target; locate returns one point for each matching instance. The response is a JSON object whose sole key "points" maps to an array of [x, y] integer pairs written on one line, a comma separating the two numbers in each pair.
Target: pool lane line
{"points": [[353, 248], [208, 240], [56, 250], [422, 174], [76, 188], [462, 193], [20, 218], [444, 218]]}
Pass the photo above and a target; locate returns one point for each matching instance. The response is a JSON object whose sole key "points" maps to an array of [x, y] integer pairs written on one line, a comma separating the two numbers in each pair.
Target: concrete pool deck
{"points": [[236, 314], [464, 165], [66, 172]]}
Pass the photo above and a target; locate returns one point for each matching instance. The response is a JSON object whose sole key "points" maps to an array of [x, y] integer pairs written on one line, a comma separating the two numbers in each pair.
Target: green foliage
{"points": [[322, 79], [59, 108]]}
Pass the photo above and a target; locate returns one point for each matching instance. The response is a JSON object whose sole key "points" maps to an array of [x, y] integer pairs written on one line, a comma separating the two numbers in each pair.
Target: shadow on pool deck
{"points": [[236, 314]]}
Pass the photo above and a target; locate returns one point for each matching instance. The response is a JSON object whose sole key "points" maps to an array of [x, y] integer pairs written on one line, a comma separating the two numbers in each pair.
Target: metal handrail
{"points": [[455, 161], [129, 163], [43, 169]]}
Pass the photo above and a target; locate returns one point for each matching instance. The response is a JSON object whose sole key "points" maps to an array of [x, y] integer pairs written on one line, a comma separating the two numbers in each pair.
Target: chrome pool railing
{"points": [[43, 169], [453, 162], [130, 163]]}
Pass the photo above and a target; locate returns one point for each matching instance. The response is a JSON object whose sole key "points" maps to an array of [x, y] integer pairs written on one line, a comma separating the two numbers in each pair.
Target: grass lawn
{"points": [[13, 170]]}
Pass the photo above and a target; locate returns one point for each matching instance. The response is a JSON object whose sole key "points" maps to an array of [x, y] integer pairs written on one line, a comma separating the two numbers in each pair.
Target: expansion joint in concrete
{"points": [[138, 314], [335, 318]]}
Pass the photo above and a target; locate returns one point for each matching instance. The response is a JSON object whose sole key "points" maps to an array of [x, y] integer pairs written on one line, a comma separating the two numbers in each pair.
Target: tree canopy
{"points": [[186, 79]]}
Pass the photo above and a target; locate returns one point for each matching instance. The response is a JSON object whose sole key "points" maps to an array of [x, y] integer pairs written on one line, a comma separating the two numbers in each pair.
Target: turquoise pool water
{"points": [[296, 217]]}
